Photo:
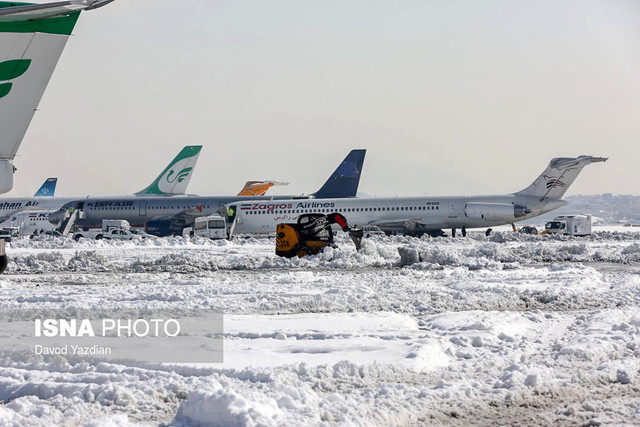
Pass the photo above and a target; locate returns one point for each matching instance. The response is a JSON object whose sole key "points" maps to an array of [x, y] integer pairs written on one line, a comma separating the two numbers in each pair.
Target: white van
{"points": [[213, 227]]}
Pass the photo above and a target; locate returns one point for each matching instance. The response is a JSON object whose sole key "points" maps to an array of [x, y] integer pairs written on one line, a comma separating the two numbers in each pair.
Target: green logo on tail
{"points": [[184, 173], [10, 70]]}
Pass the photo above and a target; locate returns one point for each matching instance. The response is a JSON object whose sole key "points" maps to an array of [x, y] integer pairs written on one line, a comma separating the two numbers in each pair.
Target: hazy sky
{"points": [[448, 97]]}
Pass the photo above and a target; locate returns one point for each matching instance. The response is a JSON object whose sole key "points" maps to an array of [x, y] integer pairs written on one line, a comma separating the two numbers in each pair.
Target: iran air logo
{"points": [[10, 70], [177, 174], [554, 182]]}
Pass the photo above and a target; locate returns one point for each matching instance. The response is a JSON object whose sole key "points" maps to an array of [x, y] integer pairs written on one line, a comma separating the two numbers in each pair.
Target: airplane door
{"points": [[232, 214], [452, 211], [143, 208]]}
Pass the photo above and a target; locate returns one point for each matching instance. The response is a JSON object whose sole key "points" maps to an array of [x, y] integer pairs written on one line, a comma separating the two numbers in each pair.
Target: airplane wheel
{"points": [[453, 232], [464, 232]]}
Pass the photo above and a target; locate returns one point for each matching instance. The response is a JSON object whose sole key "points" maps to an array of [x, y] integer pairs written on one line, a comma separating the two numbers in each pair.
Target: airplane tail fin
{"points": [[346, 178], [32, 37], [175, 177], [48, 188], [258, 188], [558, 176]]}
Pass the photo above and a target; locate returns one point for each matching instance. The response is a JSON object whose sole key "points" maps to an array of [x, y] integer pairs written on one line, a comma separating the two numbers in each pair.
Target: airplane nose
{"points": [[56, 217]]}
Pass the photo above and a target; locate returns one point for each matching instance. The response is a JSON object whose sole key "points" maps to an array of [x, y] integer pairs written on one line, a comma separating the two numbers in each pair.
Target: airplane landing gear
{"points": [[453, 232], [464, 231]]}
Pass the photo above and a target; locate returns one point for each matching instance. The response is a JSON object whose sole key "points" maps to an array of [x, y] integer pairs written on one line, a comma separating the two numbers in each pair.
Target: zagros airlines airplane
{"points": [[419, 215]]}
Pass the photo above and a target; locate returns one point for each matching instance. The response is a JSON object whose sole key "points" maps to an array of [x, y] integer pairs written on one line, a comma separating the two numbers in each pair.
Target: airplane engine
{"points": [[6, 175], [495, 211]]}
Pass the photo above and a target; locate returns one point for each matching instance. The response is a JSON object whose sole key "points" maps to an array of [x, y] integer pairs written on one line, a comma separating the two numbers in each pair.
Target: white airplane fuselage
{"points": [[398, 213], [11, 205]]}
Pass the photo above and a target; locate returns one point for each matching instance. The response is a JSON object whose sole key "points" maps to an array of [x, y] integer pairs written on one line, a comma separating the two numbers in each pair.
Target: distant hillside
{"points": [[609, 209]]}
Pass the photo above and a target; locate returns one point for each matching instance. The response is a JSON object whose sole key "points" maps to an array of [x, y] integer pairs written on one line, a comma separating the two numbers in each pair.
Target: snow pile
{"points": [[213, 403], [180, 255]]}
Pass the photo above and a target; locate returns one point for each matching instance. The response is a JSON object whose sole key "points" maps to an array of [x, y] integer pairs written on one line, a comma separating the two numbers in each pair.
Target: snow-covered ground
{"points": [[508, 329]]}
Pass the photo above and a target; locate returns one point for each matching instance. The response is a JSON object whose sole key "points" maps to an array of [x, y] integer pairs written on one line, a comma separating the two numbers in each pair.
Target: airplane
{"points": [[32, 37], [172, 181], [420, 215], [170, 215], [48, 188]]}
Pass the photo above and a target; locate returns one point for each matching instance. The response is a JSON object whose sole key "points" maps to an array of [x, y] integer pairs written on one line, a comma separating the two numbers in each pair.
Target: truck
{"points": [[117, 229], [572, 225]]}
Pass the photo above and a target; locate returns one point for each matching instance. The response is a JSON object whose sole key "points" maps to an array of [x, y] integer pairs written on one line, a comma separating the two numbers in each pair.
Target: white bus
{"points": [[213, 227]]}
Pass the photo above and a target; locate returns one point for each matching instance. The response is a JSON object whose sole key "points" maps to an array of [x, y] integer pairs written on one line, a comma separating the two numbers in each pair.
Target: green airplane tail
{"points": [[175, 177]]}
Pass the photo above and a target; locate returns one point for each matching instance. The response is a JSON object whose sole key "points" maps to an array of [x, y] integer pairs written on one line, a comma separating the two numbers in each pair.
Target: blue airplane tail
{"points": [[48, 188], [346, 178]]}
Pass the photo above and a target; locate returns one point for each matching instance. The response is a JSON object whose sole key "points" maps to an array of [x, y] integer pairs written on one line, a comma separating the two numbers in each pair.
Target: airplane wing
{"points": [[28, 12], [258, 188], [185, 216], [173, 224]]}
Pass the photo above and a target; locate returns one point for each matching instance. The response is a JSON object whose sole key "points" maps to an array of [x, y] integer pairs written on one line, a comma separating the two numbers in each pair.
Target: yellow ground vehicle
{"points": [[311, 234]]}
